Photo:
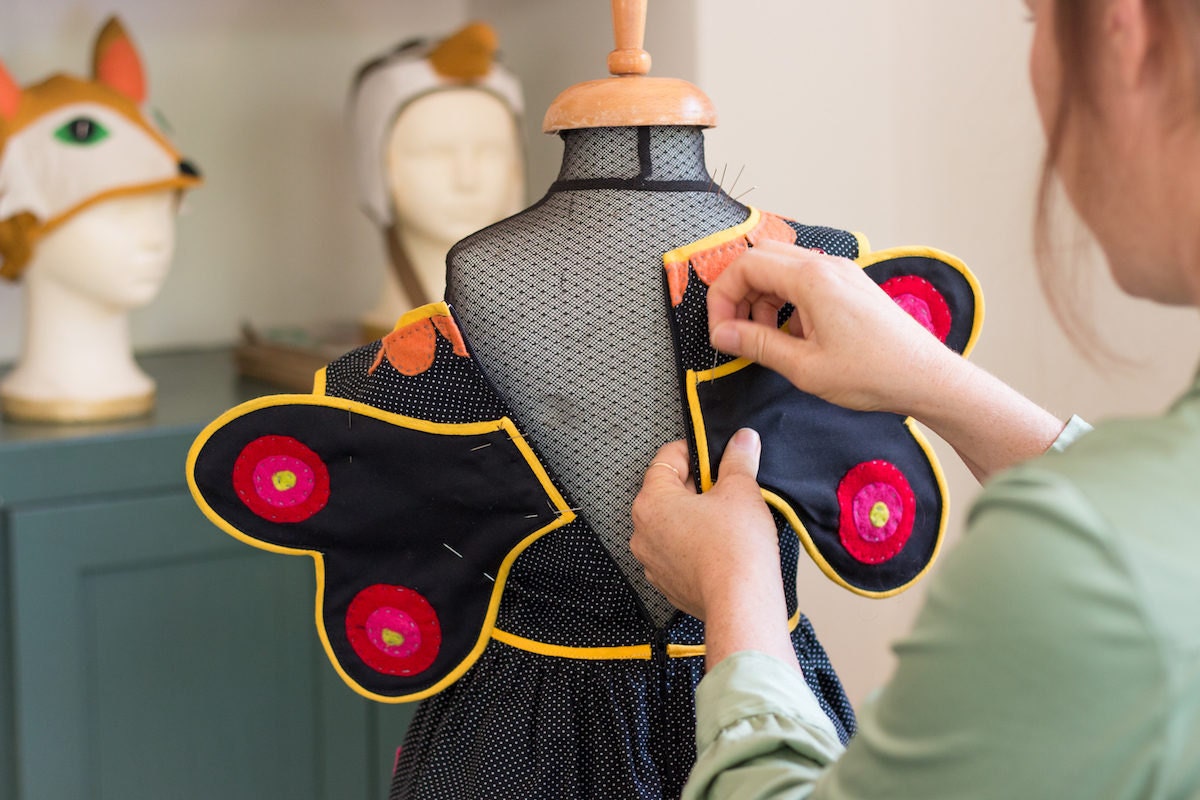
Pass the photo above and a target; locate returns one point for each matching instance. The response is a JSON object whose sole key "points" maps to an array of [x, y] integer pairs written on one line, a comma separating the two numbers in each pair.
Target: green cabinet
{"points": [[145, 654]]}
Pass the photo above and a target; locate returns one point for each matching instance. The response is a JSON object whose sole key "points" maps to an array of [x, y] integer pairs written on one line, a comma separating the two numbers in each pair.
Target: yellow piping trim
{"points": [[783, 507], [681, 254], [725, 369], [690, 650], [695, 378], [693, 401], [439, 309], [640, 652], [951, 261], [565, 516], [319, 379], [864, 245]]}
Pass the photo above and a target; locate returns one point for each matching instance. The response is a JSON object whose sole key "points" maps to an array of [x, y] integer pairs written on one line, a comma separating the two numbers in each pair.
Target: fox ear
{"points": [[116, 63], [10, 94]]}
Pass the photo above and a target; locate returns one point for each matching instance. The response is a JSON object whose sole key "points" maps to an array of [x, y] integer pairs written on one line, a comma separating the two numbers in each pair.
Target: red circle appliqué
{"points": [[393, 629], [877, 510], [281, 479], [923, 302]]}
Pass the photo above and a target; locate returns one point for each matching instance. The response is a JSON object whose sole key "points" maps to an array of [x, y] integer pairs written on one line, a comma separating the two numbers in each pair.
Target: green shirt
{"points": [[1057, 655]]}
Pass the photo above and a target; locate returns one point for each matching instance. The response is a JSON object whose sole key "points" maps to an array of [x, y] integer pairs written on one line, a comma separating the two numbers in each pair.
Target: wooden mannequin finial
{"points": [[630, 98]]}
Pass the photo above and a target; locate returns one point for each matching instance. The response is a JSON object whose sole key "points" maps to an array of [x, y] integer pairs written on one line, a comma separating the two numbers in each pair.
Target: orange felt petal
{"points": [[677, 278], [711, 263], [771, 229], [116, 62], [10, 94], [410, 349], [446, 327]]}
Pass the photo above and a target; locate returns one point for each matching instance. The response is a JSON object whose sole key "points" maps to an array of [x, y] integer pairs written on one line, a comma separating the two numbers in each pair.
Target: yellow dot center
{"points": [[880, 514], [283, 480], [392, 638]]}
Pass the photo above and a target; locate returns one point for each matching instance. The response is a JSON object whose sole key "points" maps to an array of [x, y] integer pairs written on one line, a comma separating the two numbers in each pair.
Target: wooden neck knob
{"points": [[629, 31], [630, 98]]}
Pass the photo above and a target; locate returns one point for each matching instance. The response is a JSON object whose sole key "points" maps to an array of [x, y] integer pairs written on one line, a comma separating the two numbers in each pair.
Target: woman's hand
{"points": [[849, 343], [715, 555]]}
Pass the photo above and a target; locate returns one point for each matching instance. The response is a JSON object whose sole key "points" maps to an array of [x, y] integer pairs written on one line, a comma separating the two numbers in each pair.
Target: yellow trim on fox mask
{"points": [[68, 143]]}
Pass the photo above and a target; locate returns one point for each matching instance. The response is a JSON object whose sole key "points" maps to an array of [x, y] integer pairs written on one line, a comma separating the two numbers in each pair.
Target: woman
{"points": [[1058, 653]]}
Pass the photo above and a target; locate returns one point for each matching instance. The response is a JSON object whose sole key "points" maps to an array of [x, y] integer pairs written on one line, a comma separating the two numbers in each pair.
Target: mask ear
{"points": [[115, 62], [10, 94]]}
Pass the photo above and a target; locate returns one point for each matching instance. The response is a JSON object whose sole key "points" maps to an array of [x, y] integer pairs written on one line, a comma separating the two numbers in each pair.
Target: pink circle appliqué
{"points": [[867, 512], [393, 632], [877, 511], [283, 481]]}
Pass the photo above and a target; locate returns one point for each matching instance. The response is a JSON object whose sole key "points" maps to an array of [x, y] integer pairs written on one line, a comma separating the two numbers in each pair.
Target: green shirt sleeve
{"points": [[1030, 673]]}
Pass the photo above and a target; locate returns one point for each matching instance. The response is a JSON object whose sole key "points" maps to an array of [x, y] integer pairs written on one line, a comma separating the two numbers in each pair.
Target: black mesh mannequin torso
{"points": [[565, 304]]}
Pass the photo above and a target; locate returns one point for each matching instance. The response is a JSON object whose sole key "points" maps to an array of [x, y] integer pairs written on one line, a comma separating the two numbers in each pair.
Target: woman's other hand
{"points": [[849, 343], [715, 555]]}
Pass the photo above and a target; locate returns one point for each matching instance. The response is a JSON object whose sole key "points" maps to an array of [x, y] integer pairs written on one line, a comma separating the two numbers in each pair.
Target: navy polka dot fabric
{"points": [[522, 724]]}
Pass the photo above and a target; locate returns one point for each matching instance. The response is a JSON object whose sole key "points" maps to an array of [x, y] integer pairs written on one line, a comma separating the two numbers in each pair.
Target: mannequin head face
{"points": [[115, 253], [454, 164]]}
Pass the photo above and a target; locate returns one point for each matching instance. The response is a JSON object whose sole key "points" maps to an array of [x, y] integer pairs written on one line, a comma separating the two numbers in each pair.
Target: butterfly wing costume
{"points": [[452, 567]]}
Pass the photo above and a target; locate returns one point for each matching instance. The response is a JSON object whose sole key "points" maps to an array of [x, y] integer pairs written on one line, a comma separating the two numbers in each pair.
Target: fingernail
{"points": [[725, 338], [747, 438]]}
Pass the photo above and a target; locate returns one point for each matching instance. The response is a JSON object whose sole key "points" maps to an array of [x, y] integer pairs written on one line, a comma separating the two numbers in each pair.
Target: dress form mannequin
{"points": [[439, 156], [76, 361], [598, 394], [633, 185], [489, 577]]}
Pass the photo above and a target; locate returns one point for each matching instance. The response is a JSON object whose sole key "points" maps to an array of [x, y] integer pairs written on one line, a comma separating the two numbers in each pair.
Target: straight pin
{"points": [[473, 449], [452, 550], [489, 577], [735, 180], [743, 194]]}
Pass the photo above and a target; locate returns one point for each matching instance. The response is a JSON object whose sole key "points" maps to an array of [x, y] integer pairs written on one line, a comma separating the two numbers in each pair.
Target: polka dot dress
{"points": [[522, 724]]}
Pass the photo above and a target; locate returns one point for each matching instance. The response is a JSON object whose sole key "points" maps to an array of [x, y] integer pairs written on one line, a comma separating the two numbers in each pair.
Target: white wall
{"points": [[255, 93], [913, 122]]}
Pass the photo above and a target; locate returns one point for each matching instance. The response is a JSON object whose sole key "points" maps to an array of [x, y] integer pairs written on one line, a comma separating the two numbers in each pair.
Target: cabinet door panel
{"points": [[157, 657]]}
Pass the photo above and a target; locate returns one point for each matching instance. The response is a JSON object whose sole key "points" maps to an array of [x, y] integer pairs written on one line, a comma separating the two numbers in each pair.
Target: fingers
{"points": [[763, 344], [742, 455], [761, 273], [668, 468]]}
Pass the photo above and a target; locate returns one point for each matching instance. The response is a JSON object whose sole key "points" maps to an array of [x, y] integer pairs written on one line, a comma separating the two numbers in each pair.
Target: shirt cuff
{"points": [[749, 684], [1074, 430]]}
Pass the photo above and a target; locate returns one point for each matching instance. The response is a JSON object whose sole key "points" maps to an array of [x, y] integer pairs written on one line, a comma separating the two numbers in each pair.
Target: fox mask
{"points": [[68, 143]]}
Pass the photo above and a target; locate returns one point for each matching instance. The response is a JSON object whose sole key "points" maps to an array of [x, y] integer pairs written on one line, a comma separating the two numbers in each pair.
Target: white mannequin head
{"points": [[76, 362], [113, 255], [439, 156], [454, 165], [89, 187]]}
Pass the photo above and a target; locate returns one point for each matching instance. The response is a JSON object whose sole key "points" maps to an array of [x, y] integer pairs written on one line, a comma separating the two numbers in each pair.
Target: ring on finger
{"points": [[668, 466]]}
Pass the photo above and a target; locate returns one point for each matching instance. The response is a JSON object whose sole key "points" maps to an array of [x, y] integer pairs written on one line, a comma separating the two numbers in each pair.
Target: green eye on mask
{"points": [[81, 131]]}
